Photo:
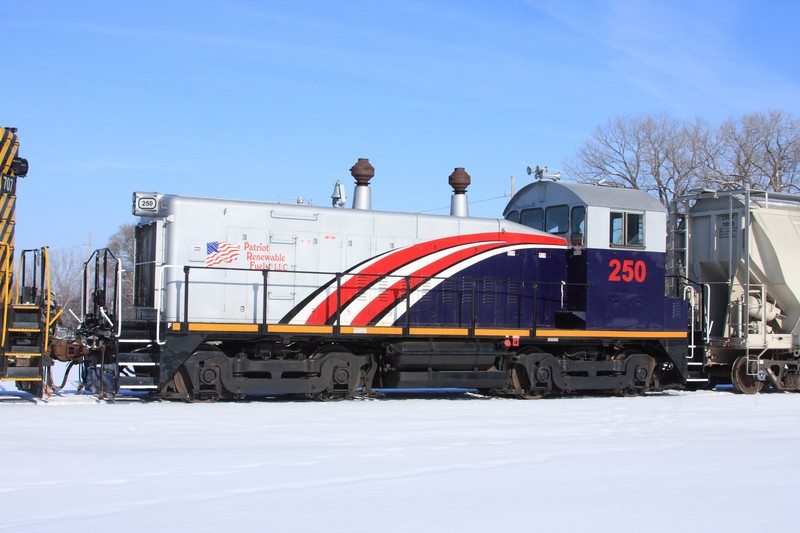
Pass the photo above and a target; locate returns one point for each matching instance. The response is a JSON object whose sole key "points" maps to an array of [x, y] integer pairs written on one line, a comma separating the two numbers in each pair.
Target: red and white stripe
{"points": [[385, 276]]}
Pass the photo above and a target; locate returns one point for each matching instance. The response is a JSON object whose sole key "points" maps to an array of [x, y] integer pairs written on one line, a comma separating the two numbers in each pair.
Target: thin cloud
{"points": [[680, 57]]}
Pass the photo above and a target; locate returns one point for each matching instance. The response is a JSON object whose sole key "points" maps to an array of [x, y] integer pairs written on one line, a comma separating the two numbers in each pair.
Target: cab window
{"points": [[626, 229], [556, 219], [578, 226], [533, 218], [513, 216]]}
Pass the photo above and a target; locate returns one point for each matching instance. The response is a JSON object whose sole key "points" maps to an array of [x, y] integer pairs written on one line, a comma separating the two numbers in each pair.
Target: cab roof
{"points": [[565, 192]]}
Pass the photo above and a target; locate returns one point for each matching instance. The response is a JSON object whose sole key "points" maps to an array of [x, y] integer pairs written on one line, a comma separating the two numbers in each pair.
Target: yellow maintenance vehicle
{"points": [[27, 309]]}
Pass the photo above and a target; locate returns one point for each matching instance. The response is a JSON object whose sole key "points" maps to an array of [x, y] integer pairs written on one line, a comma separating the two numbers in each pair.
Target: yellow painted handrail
{"points": [[16, 284], [48, 299], [6, 288]]}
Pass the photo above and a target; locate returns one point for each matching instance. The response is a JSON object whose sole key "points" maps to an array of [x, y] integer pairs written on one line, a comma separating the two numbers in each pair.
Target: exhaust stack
{"points": [[459, 180], [362, 171]]}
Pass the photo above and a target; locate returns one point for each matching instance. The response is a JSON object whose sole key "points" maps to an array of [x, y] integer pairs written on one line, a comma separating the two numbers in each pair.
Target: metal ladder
{"points": [[133, 368], [676, 246], [23, 348], [28, 317], [678, 283], [145, 367]]}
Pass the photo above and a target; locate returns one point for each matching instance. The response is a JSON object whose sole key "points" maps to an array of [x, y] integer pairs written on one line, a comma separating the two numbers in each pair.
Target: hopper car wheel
{"points": [[741, 380]]}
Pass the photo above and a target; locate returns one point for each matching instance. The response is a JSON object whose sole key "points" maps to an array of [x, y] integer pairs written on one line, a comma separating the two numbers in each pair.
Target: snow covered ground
{"points": [[706, 461]]}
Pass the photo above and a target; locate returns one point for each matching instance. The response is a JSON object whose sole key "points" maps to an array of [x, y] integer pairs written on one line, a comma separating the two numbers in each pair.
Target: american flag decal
{"points": [[219, 252]]}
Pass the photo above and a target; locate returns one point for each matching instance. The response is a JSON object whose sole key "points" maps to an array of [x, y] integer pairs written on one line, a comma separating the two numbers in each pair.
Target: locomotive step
{"points": [[27, 311], [25, 327], [137, 383], [136, 337], [696, 376], [13, 353], [136, 358], [23, 373], [26, 349]]}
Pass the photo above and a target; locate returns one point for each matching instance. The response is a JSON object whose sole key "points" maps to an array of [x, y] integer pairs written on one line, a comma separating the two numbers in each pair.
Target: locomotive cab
{"points": [[616, 258]]}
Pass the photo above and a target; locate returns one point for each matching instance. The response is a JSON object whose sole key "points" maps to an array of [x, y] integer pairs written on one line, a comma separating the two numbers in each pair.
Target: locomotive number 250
{"points": [[627, 270]]}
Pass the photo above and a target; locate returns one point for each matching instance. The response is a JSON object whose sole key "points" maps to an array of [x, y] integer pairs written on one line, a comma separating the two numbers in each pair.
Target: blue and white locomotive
{"points": [[238, 298], [568, 292]]}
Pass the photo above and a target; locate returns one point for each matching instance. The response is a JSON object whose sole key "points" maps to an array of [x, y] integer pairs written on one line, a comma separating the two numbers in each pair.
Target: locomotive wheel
{"points": [[521, 385], [741, 380], [644, 372], [329, 396], [338, 388], [179, 384]]}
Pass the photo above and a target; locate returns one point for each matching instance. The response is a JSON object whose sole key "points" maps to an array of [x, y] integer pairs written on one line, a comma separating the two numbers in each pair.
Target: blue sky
{"points": [[271, 100]]}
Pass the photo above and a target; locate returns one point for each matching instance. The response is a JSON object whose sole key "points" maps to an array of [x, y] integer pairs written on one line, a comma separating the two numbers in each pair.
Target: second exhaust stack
{"points": [[362, 171], [459, 180]]}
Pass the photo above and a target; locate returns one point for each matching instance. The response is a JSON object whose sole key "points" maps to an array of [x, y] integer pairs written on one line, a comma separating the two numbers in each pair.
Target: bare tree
{"points": [[614, 153], [667, 157], [656, 153], [122, 245], [66, 275], [66, 267], [686, 157], [760, 150]]}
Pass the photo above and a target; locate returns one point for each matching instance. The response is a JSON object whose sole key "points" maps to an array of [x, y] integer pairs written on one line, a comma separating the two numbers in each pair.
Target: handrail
{"points": [[15, 298], [118, 291], [160, 280], [48, 298], [105, 315], [117, 286], [745, 234], [707, 303], [159, 276], [689, 289], [6, 287]]}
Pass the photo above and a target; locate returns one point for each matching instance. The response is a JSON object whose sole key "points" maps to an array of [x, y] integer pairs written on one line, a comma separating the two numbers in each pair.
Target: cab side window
{"points": [[626, 229], [578, 226]]}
